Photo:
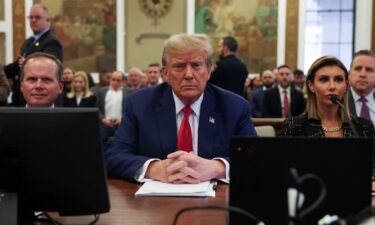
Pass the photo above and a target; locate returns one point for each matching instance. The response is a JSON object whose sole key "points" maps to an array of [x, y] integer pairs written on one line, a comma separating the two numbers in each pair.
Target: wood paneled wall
{"points": [[19, 26], [291, 37]]}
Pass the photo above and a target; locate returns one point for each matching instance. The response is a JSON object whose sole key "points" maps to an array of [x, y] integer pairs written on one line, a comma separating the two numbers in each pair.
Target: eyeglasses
{"points": [[35, 17]]}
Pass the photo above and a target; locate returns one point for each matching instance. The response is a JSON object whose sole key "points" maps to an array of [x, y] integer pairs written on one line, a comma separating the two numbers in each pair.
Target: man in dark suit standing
{"points": [[42, 41], [178, 131], [362, 83], [283, 101], [230, 73]]}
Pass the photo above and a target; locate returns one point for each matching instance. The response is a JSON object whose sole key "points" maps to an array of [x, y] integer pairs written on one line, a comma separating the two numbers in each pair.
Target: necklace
{"points": [[332, 129]]}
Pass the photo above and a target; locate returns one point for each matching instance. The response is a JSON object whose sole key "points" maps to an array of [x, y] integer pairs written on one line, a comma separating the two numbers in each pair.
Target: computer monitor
{"points": [[53, 159], [261, 174]]}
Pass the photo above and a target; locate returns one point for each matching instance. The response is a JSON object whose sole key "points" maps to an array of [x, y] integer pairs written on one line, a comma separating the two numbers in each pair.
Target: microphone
{"points": [[338, 102]]}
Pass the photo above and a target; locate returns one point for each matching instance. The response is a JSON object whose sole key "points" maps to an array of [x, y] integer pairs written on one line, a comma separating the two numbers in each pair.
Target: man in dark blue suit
{"points": [[145, 145], [43, 40], [283, 100], [362, 82]]}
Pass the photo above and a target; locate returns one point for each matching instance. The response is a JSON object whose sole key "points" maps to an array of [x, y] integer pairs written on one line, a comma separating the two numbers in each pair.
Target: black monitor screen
{"points": [[261, 174], [53, 159]]}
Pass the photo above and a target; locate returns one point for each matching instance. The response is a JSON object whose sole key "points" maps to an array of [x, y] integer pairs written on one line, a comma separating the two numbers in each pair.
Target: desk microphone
{"points": [[337, 101]]}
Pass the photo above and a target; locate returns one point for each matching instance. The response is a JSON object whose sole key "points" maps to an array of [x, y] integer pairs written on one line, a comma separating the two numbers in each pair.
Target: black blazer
{"points": [[271, 104], [85, 102], [302, 126], [47, 43], [230, 74]]}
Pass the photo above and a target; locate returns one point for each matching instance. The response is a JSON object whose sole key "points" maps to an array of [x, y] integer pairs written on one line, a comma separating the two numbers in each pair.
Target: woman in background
{"points": [[80, 94], [327, 77]]}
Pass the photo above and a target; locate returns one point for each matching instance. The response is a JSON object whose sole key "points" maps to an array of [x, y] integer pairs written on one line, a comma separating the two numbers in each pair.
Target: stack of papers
{"points": [[156, 188]]}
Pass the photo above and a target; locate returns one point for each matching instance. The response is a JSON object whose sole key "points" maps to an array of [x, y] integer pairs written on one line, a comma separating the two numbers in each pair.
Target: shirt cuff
{"points": [[227, 178], [141, 172]]}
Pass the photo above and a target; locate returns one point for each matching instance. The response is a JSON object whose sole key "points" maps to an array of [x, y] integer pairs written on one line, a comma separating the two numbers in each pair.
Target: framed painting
{"points": [[253, 24]]}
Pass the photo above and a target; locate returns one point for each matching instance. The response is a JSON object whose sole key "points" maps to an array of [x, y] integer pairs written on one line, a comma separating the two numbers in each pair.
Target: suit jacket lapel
{"points": [[166, 121], [277, 104], [293, 101], [207, 125]]}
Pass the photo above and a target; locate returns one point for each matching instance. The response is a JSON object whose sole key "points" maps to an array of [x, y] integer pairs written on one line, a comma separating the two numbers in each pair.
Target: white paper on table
{"points": [[157, 188]]}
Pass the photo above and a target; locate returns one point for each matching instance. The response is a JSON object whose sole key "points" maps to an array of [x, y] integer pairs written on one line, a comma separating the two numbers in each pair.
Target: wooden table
{"points": [[128, 209]]}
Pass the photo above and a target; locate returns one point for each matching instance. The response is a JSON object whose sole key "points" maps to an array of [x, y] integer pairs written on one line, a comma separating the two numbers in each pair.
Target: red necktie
{"points": [[185, 140], [365, 113], [286, 104]]}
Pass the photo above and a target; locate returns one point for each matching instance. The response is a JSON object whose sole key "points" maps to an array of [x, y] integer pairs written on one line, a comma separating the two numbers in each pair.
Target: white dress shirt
{"points": [[113, 104], [79, 97]]}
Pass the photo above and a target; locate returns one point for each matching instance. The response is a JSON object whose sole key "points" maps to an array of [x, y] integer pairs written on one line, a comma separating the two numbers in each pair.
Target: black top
{"points": [[85, 102], [230, 74], [302, 126]]}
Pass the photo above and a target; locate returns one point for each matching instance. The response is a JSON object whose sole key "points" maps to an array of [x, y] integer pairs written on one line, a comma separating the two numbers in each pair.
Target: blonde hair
{"points": [[186, 43], [311, 109], [86, 91]]}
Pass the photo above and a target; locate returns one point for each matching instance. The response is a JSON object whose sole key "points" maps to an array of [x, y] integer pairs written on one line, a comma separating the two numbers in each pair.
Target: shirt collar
{"points": [[196, 106], [37, 36], [356, 97], [281, 89]]}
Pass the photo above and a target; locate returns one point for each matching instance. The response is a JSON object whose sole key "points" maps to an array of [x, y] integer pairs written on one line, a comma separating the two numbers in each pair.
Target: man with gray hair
{"points": [[135, 78], [178, 131]]}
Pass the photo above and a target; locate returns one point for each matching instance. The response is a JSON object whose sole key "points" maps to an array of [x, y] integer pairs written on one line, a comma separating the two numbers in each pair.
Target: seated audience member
{"points": [[251, 84], [283, 100], [41, 80], [68, 78], [4, 87], [326, 77], [268, 79], [153, 74], [135, 79], [104, 78], [68, 75], [299, 79], [362, 83], [178, 132], [80, 94], [110, 103]]}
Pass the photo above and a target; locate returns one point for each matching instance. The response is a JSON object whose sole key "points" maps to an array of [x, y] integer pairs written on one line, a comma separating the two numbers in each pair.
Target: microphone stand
{"points": [[337, 101]]}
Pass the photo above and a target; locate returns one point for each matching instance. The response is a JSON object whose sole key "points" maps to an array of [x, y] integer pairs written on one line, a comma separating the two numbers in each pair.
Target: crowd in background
{"points": [[281, 92]]}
